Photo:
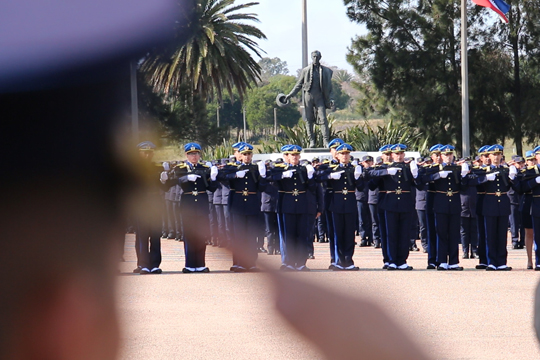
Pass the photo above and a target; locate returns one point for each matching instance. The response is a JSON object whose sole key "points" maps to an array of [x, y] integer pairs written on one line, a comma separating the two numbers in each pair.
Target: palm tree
{"points": [[215, 56]]}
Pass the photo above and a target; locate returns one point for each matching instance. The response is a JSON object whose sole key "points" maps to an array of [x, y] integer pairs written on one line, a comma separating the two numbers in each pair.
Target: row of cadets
{"points": [[195, 180], [397, 180], [343, 178], [293, 182], [529, 185], [446, 180], [246, 183]]}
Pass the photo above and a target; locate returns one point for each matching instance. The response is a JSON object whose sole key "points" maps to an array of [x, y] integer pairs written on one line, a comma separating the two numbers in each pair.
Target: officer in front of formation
{"points": [[497, 179], [398, 180], [195, 179], [247, 181], [448, 180], [293, 182], [344, 179], [530, 182]]}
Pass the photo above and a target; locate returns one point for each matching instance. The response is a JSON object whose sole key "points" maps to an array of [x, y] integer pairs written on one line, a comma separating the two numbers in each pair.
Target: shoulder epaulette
{"points": [[181, 166], [326, 161], [334, 166], [280, 165]]}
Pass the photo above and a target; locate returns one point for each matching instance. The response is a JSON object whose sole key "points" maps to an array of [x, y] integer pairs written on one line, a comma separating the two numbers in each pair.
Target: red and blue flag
{"points": [[499, 6]]}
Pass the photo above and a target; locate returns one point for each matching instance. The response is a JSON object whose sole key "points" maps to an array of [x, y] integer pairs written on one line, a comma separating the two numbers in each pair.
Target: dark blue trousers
{"points": [[398, 225], [384, 236], [422, 227], [344, 229], [518, 235], [469, 235], [536, 236], [245, 240], [196, 230], [293, 231], [147, 244], [374, 213], [271, 230], [431, 237], [330, 234], [481, 250], [364, 219], [447, 238], [496, 230]]}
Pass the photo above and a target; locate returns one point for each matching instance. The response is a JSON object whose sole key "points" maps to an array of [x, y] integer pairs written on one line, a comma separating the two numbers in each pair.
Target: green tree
{"points": [[272, 67], [215, 56], [341, 99], [410, 62], [261, 101]]}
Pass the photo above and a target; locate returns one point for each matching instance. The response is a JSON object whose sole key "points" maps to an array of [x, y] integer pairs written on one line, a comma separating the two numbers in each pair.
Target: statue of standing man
{"points": [[316, 84]]}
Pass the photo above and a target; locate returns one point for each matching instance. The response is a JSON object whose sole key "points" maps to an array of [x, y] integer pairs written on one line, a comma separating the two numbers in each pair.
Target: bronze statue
{"points": [[316, 82]]}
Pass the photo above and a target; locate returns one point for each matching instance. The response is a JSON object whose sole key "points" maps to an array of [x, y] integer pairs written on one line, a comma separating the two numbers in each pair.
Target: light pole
{"points": [[466, 147]]}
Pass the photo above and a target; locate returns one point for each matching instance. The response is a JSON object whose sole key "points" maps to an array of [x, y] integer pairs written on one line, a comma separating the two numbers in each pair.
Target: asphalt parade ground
{"points": [[471, 314]]}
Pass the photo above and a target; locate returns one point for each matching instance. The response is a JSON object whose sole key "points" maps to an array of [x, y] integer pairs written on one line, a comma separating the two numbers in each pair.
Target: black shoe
{"points": [[205, 270], [144, 271], [233, 268], [254, 269], [170, 236], [404, 268], [536, 268], [515, 246], [481, 267], [491, 268], [310, 256], [414, 248], [424, 251], [363, 243], [431, 267], [458, 268], [332, 267], [529, 267], [473, 256], [378, 245], [137, 270], [303, 268], [508, 268], [262, 250], [278, 252], [465, 255], [156, 270], [187, 271], [385, 266]]}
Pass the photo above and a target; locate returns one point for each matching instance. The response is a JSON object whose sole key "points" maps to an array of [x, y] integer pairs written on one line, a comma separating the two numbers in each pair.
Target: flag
{"points": [[499, 6]]}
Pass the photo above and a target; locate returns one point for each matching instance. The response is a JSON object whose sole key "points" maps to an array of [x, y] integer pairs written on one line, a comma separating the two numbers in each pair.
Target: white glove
{"points": [[240, 174], [336, 175], [444, 173], [310, 171], [213, 173], [262, 168], [464, 169], [208, 163], [166, 166], [193, 177], [163, 177], [357, 171], [512, 173], [355, 162], [537, 179], [392, 171], [288, 174], [491, 177], [414, 169]]}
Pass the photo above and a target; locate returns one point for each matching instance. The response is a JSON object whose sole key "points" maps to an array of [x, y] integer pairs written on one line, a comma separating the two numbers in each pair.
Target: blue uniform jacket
{"points": [[292, 192], [446, 198], [343, 199], [398, 188], [244, 195], [527, 184]]}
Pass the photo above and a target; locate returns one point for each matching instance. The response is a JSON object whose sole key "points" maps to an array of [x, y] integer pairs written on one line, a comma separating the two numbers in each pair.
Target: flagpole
{"points": [[466, 148]]}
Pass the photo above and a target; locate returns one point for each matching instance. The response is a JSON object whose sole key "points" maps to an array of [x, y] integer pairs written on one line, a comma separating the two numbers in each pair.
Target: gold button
{"points": [[399, 198], [195, 200], [399, 182], [245, 199], [295, 199], [294, 183], [345, 199], [499, 200]]}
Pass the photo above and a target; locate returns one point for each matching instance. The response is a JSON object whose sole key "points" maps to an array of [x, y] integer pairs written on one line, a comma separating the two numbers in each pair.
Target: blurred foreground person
{"points": [[64, 85]]}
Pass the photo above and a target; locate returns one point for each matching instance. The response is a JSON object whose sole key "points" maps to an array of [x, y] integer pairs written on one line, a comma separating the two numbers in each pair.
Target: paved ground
{"points": [[221, 315]]}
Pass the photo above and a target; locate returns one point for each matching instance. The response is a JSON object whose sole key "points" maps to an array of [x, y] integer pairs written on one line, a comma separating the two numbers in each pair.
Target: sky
{"points": [[329, 31]]}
